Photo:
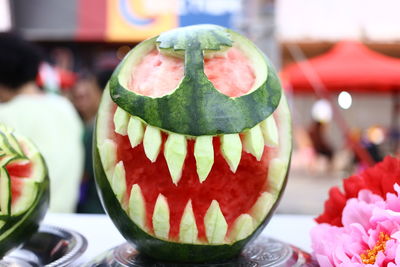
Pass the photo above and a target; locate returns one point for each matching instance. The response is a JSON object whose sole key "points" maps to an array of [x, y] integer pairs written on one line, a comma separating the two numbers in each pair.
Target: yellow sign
{"points": [[136, 20]]}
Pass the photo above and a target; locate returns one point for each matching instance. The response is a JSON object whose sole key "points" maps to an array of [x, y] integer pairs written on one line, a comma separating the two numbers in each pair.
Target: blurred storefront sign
{"points": [[333, 20], [116, 20], [5, 16]]}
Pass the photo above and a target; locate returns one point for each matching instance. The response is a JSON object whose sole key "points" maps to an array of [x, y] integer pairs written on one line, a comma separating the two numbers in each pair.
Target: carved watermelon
{"points": [[192, 144], [24, 189]]}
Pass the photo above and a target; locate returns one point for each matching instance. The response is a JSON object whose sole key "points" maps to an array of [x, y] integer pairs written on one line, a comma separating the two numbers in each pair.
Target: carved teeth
{"points": [[204, 154], [161, 218], [254, 142], [270, 131], [135, 131], [108, 152], [276, 173], [38, 169], [262, 206], [175, 150], [188, 228], [215, 224], [152, 142], [231, 148], [121, 119], [137, 208], [27, 197], [4, 191], [119, 181], [242, 227]]}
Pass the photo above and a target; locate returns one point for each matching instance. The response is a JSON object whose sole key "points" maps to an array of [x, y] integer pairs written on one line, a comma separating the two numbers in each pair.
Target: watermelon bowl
{"points": [[192, 144], [24, 189]]}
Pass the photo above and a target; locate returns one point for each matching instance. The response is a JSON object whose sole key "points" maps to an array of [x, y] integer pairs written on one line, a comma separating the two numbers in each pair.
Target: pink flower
{"points": [[379, 179], [370, 235]]}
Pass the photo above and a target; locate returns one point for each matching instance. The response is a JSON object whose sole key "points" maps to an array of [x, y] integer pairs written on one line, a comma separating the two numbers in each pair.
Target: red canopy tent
{"points": [[349, 66]]}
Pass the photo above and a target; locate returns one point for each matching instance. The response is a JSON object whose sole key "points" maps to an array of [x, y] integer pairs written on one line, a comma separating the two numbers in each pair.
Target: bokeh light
{"points": [[376, 135], [322, 111], [345, 100]]}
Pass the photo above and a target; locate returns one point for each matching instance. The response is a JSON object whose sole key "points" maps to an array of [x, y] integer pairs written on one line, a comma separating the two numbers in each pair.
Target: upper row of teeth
{"points": [[175, 147]]}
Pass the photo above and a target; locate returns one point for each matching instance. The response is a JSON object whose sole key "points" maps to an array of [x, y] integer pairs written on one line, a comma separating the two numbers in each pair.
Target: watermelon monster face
{"points": [[24, 189], [193, 141]]}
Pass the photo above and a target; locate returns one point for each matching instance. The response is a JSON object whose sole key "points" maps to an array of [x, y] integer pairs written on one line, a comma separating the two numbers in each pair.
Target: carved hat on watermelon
{"points": [[192, 144], [24, 189]]}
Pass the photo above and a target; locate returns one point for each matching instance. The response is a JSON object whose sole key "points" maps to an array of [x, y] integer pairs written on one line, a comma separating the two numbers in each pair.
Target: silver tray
{"points": [[263, 252], [51, 246]]}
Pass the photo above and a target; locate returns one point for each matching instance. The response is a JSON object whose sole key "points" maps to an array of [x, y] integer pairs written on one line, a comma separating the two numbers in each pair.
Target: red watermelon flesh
{"points": [[18, 171]]}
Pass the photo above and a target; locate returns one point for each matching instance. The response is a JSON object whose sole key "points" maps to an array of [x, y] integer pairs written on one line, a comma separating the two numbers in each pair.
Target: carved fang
{"points": [[121, 119], [175, 150], [188, 228], [135, 131], [152, 142], [242, 227], [161, 218], [270, 131], [137, 208], [276, 173], [27, 197], [5, 192], [215, 224], [254, 142], [108, 153], [231, 148], [119, 181], [204, 154], [262, 206]]}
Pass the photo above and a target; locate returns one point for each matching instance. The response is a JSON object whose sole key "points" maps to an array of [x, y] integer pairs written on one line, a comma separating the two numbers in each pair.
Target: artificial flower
{"points": [[370, 234], [379, 179]]}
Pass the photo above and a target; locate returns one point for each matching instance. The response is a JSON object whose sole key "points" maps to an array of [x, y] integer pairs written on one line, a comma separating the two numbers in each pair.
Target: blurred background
{"points": [[339, 62]]}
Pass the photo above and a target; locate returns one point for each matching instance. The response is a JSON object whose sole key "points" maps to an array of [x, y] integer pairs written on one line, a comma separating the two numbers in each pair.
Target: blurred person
{"points": [[49, 120], [320, 144], [304, 155], [86, 97], [372, 148]]}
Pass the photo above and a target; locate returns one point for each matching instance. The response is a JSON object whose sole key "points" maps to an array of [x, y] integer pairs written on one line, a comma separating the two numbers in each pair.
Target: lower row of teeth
{"points": [[175, 147], [216, 227]]}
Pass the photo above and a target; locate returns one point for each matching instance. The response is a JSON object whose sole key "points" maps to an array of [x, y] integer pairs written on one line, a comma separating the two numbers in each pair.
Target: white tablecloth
{"points": [[102, 234]]}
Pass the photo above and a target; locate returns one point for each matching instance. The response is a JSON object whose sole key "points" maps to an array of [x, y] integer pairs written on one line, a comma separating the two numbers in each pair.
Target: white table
{"points": [[103, 235]]}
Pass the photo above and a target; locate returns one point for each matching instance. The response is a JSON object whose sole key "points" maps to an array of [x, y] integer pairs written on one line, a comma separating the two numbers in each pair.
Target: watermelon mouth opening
{"points": [[225, 206], [235, 193]]}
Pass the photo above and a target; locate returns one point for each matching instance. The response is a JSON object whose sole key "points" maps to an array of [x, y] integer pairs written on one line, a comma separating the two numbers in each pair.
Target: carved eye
{"points": [[157, 75], [230, 73]]}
